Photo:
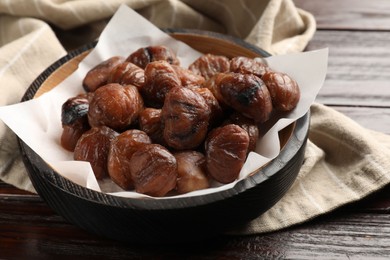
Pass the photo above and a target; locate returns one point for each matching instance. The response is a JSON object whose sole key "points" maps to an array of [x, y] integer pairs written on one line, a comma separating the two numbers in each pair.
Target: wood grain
{"points": [[349, 14], [369, 117], [32, 229], [358, 68]]}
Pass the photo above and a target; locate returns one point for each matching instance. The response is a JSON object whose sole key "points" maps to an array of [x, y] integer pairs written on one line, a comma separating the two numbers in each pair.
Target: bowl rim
{"points": [[224, 37], [264, 174]]}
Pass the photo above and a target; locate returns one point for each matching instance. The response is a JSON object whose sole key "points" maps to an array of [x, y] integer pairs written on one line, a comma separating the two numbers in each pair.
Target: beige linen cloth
{"points": [[343, 163]]}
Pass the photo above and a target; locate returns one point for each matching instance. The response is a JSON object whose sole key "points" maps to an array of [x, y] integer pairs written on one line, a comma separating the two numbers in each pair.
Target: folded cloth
{"points": [[28, 45], [275, 25], [343, 162]]}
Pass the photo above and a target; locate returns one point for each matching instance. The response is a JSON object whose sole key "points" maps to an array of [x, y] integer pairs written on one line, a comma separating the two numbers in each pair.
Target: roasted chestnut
{"points": [[151, 123], [185, 117], [226, 149], [248, 125], [153, 169], [188, 78], [115, 106], [99, 74], [127, 73], [143, 56], [209, 65], [122, 148], [93, 147], [245, 65], [74, 120], [247, 94], [160, 77], [191, 172], [284, 90]]}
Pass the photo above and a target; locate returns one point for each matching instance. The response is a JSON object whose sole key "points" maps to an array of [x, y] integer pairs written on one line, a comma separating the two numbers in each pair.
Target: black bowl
{"points": [[178, 219]]}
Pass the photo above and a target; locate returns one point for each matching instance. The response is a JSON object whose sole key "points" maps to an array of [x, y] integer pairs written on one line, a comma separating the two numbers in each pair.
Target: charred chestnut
{"points": [[247, 94], [74, 120]]}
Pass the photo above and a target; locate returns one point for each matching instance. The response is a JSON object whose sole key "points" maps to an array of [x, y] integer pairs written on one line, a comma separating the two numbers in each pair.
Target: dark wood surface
{"points": [[357, 34]]}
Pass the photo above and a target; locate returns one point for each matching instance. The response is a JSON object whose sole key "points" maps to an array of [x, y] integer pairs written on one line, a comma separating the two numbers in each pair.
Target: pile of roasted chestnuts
{"points": [[158, 128]]}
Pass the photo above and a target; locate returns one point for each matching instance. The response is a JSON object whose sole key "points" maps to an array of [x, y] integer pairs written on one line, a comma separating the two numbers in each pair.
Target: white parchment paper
{"points": [[38, 121]]}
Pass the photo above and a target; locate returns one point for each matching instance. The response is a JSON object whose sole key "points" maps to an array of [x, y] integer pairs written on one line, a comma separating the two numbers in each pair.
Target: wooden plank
{"points": [[28, 227], [377, 119], [337, 237], [349, 14], [6, 189], [340, 236], [358, 67]]}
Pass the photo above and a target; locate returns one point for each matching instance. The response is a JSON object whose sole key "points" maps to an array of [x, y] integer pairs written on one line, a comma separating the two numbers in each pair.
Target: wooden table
{"points": [[358, 85]]}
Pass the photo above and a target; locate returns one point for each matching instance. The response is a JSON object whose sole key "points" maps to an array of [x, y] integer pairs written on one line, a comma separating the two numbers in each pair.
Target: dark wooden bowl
{"points": [[167, 220]]}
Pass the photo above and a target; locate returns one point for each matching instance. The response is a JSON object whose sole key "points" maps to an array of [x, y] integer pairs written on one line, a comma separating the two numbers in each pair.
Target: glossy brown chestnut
{"points": [[188, 78], [248, 125], [122, 148], [226, 149], [74, 120], [143, 56], [93, 147], [185, 117], [245, 65], [160, 77], [127, 73], [115, 106], [153, 169], [191, 171], [284, 90], [213, 85], [151, 123], [247, 94], [99, 74], [209, 64]]}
